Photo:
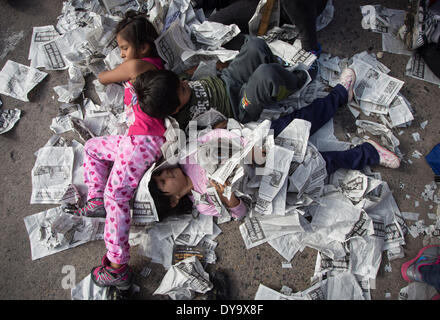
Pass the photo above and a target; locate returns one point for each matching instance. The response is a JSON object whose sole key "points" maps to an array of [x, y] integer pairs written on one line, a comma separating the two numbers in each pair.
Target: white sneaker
{"points": [[387, 158], [347, 80]]}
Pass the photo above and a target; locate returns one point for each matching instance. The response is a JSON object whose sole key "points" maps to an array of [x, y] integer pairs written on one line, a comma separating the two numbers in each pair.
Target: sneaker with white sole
{"points": [[105, 275], [347, 80], [387, 158], [428, 255]]}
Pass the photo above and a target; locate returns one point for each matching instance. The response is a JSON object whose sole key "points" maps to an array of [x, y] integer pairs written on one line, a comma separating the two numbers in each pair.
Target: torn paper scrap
{"points": [[17, 80], [183, 279], [8, 118]]}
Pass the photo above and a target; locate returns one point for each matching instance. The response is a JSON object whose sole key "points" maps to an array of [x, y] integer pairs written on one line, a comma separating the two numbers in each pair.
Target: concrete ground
{"points": [[22, 278]]}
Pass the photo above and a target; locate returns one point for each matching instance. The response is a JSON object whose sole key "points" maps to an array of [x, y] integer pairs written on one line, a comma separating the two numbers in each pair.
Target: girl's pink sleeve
{"points": [[239, 211]]}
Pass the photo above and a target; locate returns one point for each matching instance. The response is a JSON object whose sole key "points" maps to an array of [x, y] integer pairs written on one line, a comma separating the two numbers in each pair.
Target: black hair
{"points": [[137, 30], [156, 92], [163, 202]]}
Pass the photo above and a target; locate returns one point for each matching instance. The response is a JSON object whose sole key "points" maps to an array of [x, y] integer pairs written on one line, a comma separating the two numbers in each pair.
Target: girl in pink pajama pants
{"points": [[131, 156]]}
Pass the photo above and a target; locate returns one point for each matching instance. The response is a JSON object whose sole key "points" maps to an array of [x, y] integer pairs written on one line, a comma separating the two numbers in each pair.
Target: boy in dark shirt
{"points": [[251, 82]]}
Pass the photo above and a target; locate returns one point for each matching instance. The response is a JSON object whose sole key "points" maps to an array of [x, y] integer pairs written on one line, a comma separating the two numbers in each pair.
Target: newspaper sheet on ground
{"points": [[62, 123], [51, 174], [86, 289], [399, 111], [74, 87], [275, 173], [8, 118], [258, 230], [53, 230], [295, 137], [183, 279], [17, 80], [373, 85], [43, 51], [418, 69]]}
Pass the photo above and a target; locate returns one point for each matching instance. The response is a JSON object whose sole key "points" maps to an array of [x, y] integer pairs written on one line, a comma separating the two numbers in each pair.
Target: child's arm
{"points": [[126, 71]]}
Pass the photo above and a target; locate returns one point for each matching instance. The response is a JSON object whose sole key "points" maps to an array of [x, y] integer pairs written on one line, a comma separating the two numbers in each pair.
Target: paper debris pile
{"points": [[349, 217]]}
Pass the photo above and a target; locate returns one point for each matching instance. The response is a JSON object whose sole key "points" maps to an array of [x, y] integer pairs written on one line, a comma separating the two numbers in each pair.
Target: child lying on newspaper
{"points": [[253, 80], [169, 187]]}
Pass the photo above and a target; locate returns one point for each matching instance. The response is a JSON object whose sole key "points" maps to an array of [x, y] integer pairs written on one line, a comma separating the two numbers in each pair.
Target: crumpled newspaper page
{"points": [[342, 286], [51, 174], [69, 92], [292, 54], [17, 80], [119, 7], [62, 123], [88, 290], [258, 230], [399, 111], [143, 209], [214, 34], [372, 85], [8, 118], [182, 10], [53, 230], [159, 241], [43, 51], [418, 69], [417, 291], [183, 279]]}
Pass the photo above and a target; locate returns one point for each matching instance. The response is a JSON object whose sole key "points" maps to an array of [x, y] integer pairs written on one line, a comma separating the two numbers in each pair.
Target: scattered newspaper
{"points": [[54, 230], [62, 123], [417, 68], [143, 209], [43, 51], [17, 80], [183, 279], [292, 54], [373, 85], [51, 174], [258, 230], [8, 118], [214, 34]]}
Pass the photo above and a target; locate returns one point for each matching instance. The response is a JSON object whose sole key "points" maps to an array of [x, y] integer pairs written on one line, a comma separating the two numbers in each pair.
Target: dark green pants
{"points": [[255, 80]]}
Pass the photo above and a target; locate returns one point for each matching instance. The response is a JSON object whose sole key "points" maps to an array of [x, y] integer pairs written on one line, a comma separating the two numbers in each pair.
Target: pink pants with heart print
{"points": [[113, 167]]}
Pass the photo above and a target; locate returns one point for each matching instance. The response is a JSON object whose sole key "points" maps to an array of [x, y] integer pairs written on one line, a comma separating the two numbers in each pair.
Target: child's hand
{"points": [[233, 202]]}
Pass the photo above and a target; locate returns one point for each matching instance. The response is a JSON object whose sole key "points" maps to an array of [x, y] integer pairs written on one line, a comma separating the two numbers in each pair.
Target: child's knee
{"points": [[256, 44]]}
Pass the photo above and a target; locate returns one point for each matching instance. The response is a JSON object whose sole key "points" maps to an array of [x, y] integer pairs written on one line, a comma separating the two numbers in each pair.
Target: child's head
{"points": [[135, 36], [163, 187], [161, 93]]}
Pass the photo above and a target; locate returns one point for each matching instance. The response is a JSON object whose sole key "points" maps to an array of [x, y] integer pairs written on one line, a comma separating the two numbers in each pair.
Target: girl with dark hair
{"points": [[114, 165], [135, 36], [172, 188]]}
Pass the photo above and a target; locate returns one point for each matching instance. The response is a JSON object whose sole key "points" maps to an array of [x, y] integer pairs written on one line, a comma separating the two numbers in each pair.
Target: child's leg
{"points": [[253, 53], [318, 113], [356, 159], [134, 156], [268, 84], [99, 154]]}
